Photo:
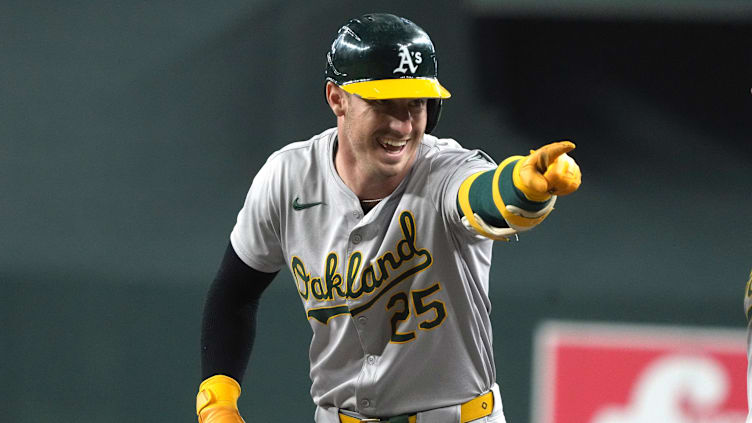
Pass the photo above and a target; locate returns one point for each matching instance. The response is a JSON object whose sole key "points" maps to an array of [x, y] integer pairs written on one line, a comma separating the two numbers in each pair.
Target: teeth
{"points": [[394, 143]]}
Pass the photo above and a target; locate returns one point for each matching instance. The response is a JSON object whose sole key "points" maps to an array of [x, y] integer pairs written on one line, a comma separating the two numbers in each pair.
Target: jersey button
{"points": [[371, 359], [362, 320], [356, 214], [365, 403], [356, 238]]}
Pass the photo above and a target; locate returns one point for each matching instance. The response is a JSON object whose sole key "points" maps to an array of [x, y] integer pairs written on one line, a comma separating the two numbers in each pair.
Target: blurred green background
{"points": [[130, 132]]}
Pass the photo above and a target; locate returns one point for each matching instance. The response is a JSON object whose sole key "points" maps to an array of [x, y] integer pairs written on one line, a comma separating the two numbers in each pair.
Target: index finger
{"points": [[550, 152]]}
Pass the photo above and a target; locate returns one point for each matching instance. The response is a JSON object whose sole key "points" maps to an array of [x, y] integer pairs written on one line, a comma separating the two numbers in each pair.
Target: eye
{"points": [[378, 104], [417, 103]]}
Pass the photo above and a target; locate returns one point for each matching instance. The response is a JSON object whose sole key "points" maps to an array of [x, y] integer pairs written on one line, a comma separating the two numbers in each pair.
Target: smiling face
{"points": [[377, 140]]}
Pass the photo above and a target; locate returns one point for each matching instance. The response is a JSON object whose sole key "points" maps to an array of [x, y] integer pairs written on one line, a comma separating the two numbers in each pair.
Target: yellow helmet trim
{"points": [[383, 89]]}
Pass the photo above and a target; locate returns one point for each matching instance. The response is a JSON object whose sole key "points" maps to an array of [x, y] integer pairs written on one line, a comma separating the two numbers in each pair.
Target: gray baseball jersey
{"points": [[397, 298]]}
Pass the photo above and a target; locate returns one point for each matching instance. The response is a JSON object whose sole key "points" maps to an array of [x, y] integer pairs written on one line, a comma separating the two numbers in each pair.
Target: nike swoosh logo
{"points": [[302, 206]]}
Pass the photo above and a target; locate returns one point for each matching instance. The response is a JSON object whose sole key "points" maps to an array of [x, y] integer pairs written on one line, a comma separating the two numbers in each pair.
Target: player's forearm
{"points": [[478, 198], [227, 336], [519, 193], [488, 195], [229, 318]]}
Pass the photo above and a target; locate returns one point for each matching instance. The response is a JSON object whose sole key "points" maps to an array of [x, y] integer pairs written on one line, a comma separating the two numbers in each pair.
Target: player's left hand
{"points": [[548, 171], [217, 400]]}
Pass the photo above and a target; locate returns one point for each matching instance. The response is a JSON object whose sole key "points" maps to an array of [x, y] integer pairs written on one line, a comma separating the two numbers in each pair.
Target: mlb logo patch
{"points": [[616, 373]]}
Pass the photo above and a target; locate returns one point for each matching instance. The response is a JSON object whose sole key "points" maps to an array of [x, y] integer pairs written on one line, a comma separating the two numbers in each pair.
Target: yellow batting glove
{"points": [[217, 400], [547, 171]]}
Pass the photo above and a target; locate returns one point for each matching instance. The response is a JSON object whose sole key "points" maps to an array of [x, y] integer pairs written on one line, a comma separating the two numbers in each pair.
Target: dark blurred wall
{"points": [[131, 131]]}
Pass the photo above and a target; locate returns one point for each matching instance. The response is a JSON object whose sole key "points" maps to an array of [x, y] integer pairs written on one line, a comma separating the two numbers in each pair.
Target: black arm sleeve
{"points": [[228, 328]]}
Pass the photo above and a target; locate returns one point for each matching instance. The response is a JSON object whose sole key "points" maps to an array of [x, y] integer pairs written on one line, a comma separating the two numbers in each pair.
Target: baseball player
{"points": [[388, 233]]}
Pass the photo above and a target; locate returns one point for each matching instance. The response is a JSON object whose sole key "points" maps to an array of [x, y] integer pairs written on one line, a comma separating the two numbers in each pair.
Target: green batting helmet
{"points": [[382, 56]]}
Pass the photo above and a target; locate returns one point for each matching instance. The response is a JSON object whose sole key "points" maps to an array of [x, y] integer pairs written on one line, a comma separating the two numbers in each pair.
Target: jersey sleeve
{"points": [[256, 235], [449, 168]]}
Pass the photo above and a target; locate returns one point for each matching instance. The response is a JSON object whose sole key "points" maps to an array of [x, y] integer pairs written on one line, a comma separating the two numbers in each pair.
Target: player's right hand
{"points": [[548, 171], [217, 400]]}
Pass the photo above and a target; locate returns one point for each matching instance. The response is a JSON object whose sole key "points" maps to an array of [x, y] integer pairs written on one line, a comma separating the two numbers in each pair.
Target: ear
{"points": [[337, 98]]}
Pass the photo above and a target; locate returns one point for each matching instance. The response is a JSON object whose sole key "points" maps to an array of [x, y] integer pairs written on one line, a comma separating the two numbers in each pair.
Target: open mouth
{"points": [[392, 145]]}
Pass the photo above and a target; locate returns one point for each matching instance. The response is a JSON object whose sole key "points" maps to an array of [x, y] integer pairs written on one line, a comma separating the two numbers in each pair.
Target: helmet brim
{"points": [[384, 89]]}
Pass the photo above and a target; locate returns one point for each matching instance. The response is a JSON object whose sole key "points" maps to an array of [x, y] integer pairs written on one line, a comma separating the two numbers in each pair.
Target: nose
{"points": [[401, 121]]}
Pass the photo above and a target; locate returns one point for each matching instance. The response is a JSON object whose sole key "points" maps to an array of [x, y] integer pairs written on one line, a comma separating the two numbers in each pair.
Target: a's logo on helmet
{"points": [[408, 58]]}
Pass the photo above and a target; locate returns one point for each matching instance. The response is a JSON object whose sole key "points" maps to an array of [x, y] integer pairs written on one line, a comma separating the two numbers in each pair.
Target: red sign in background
{"points": [[607, 373]]}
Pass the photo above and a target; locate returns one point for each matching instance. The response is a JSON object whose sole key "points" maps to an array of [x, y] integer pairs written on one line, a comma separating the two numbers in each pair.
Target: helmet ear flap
{"points": [[433, 113]]}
